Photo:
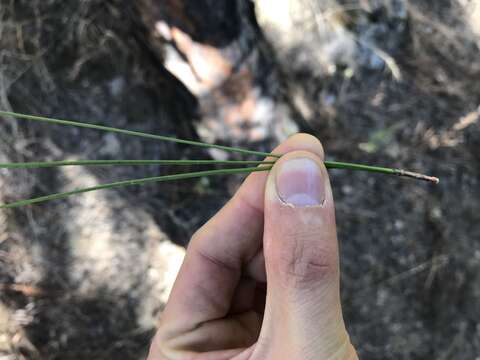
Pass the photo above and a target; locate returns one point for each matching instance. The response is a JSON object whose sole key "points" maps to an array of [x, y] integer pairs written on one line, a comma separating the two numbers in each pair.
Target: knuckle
{"points": [[159, 349], [168, 344], [197, 234], [305, 262], [198, 237]]}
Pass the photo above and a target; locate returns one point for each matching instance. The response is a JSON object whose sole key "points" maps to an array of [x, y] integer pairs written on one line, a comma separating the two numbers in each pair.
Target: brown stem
{"points": [[417, 176]]}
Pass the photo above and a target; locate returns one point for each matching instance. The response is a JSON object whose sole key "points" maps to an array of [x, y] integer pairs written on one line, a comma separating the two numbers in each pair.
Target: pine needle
{"points": [[328, 164], [51, 164], [132, 133], [381, 170], [143, 181]]}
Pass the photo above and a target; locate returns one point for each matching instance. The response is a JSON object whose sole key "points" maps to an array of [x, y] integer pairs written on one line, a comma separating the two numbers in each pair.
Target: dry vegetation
{"points": [[389, 82]]}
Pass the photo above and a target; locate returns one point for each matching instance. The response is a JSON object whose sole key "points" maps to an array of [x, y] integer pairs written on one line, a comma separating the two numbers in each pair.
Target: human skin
{"points": [[260, 280]]}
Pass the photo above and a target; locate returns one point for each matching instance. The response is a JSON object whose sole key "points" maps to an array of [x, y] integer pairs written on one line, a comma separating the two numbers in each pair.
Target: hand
{"points": [[260, 280]]}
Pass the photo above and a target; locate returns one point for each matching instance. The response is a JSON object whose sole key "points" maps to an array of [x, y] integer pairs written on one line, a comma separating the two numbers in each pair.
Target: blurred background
{"points": [[387, 82]]}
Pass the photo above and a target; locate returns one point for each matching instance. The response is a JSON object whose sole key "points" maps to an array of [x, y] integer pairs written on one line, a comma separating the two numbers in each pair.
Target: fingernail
{"points": [[300, 183]]}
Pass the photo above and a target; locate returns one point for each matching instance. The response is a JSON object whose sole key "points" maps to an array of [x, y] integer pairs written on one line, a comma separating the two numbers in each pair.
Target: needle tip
{"points": [[418, 176]]}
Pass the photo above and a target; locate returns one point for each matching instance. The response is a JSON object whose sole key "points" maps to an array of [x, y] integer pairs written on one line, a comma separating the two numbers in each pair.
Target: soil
{"points": [[87, 277]]}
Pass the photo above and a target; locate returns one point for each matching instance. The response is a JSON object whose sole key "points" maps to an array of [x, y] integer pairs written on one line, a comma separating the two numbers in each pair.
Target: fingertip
{"points": [[302, 141], [252, 190]]}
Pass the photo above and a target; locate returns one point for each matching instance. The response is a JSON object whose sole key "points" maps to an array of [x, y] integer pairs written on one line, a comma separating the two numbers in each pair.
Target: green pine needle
{"points": [[133, 133], [381, 170], [143, 181], [51, 164], [328, 164]]}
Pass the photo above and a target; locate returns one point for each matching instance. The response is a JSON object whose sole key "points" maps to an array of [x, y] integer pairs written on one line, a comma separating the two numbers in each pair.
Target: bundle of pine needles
{"points": [[245, 166]]}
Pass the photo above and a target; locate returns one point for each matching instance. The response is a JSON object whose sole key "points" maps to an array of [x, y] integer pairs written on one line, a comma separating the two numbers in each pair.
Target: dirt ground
{"points": [[86, 278]]}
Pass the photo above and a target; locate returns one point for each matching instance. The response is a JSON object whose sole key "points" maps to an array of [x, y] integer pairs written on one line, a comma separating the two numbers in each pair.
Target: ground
{"points": [[395, 84]]}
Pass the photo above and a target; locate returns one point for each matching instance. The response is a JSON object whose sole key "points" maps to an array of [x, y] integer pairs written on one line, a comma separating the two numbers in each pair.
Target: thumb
{"points": [[303, 316]]}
